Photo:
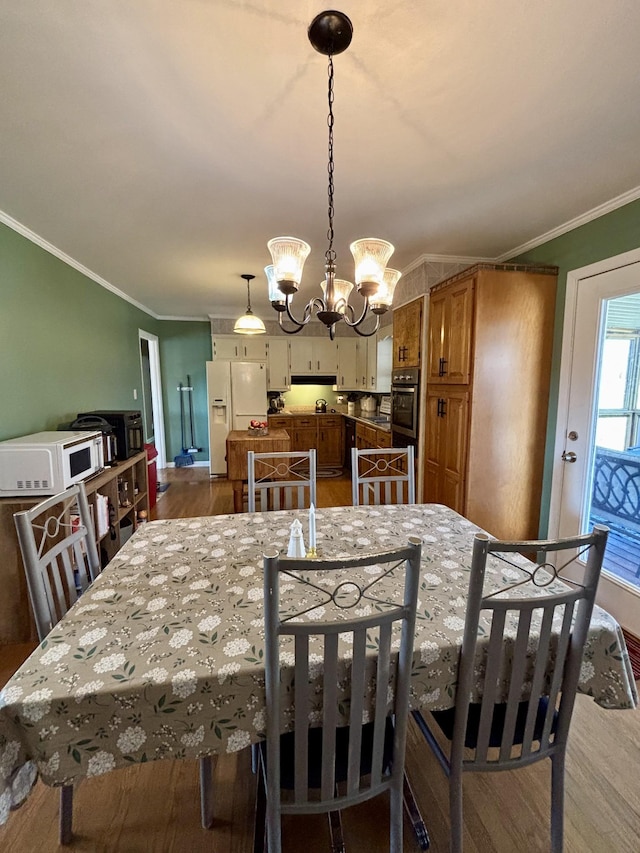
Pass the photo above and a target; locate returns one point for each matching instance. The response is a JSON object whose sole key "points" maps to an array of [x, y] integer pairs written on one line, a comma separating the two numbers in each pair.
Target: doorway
{"points": [[596, 477], [152, 410]]}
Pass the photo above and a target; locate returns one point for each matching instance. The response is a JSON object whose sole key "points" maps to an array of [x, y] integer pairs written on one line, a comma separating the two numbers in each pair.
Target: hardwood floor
{"points": [[155, 807]]}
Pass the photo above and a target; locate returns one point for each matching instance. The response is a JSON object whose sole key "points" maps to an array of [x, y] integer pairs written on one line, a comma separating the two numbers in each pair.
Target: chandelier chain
{"points": [[330, 254]]}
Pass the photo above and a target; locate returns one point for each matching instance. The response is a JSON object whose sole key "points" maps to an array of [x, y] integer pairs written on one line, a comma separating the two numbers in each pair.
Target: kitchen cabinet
{"points": [[489, 362], [446, 446], [361, 363], [325, 433], [348, 364], [304, 433], [371, 438], [126, 489], [407, 334], [311, 356], [330, 441], [239, 347], [278, 375], [449, 336]]}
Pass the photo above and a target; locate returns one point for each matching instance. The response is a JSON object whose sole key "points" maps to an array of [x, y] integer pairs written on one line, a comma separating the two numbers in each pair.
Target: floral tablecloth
{"points": [[162, 657]]}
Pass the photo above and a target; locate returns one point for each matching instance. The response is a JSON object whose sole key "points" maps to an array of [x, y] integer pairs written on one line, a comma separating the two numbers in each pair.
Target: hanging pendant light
{"points": [[249, 324], [330, 33]]}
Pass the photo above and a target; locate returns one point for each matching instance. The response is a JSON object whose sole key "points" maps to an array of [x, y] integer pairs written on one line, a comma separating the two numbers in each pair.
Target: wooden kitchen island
{"points": [[239, 442]]}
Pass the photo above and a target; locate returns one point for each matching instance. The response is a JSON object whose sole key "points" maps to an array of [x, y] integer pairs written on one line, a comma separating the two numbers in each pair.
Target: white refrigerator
{"points": [[236, 395]]}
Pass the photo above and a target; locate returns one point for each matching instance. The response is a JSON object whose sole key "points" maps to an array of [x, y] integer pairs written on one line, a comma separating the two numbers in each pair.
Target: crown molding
{"points": [[445, 259], [583, 219], [67, 259]]}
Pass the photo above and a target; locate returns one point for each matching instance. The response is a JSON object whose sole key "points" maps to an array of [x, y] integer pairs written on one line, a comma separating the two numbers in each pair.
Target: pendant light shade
{"points": [[249, 324], [382, 300], [371, 257], [288, 255]]}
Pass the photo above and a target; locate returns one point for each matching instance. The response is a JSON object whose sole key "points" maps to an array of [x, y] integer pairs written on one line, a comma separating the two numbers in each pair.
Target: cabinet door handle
{"points": [[309, 365], [343, 380], [442, 369], [441, 407], [236, 351]]}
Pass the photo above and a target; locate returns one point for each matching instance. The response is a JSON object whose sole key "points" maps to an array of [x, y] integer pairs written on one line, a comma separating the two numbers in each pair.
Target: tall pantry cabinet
{"points": [[488, 371]]}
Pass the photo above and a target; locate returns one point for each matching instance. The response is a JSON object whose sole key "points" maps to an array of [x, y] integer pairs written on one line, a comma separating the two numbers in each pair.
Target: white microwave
{"points": [[47, 463]]}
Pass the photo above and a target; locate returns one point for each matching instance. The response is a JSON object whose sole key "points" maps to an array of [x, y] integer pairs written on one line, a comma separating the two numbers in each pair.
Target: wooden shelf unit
{"points": [[16, 620]]}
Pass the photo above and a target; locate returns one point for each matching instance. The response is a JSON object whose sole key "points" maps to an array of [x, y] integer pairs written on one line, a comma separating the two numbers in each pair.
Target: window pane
{"points": [[611, 433], [613, 374]]}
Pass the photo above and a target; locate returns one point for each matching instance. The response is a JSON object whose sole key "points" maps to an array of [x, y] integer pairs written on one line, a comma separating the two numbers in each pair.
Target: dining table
{"points": [[163, 656]]}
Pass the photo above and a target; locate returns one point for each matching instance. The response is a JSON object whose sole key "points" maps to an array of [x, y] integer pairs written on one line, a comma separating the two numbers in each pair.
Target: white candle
{"points": [[312, 526]]}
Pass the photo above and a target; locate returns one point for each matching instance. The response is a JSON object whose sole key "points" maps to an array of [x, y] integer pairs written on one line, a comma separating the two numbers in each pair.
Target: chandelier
{"points": [[330, 33]]}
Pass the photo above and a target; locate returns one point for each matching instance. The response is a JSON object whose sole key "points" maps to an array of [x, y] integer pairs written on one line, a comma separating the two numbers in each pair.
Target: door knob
{"points": [[569, 457]]}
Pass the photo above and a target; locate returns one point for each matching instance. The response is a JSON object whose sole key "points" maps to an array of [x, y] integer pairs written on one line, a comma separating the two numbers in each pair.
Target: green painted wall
{"points": [[69, 345], [185, 347], [612, 234]]}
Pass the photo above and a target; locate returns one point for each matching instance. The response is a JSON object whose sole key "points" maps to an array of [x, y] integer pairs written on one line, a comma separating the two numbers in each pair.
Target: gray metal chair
{"points": [[383, 476], [534, 649], [57, 542], [60, 558], [284, 480], [337, 763]]}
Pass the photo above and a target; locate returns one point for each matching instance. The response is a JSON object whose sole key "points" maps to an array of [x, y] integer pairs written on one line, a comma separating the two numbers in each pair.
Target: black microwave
{"points": [[127, 427]]}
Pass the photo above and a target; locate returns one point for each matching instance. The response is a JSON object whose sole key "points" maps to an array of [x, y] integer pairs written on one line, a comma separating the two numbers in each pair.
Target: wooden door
{"points": [[458, 339], [436, 336], [407, 332], [446, 447], [450, 333], [330, 442]]}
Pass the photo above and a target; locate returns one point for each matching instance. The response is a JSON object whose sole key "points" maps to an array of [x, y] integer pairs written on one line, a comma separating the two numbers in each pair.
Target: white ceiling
{"points": [[161, 143]]}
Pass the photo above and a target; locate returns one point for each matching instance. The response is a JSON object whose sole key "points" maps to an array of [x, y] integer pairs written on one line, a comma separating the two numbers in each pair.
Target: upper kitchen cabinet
{"points": [[311, 356], [348, 364], [278, 373], [449, 337], [239, 348], [407, 334], [487, 401]]}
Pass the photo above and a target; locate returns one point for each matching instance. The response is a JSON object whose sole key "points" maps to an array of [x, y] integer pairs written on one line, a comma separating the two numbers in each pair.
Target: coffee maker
{"points": [[272, 396]]}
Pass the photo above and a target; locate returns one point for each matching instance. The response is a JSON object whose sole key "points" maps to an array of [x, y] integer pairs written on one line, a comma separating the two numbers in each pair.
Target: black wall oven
{"points": [[405, 402]]}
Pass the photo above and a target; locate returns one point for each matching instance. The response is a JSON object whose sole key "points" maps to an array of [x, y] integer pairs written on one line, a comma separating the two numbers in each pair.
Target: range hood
{"points": [[309, 379]]}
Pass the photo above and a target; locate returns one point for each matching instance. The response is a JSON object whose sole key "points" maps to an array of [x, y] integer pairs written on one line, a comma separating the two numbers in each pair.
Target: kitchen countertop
{"points": [[365, 419]]}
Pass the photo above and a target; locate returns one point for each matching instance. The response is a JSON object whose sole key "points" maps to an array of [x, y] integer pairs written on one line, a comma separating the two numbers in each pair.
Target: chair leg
{"points": [[206, 791], [455, 809], [413, 812], [557, 802], [260, 820], [66, 814], [335, 832]]}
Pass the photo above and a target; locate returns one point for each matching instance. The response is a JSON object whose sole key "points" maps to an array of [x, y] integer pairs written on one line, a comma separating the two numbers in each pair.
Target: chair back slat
{"points": [[301, 716], [341, 692], [490, 694], [282, 480], [382, 681], [516, 679], [537, 681], [382, 476], [59, 553], [358, 667]]}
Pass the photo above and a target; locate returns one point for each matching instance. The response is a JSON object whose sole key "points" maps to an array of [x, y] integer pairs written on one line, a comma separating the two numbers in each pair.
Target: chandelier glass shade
{"points": [[248, 323], [330, 33]]}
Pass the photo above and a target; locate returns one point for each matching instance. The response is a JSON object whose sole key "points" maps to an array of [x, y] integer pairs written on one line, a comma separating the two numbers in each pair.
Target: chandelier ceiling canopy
{"points": [[330, 33]]}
